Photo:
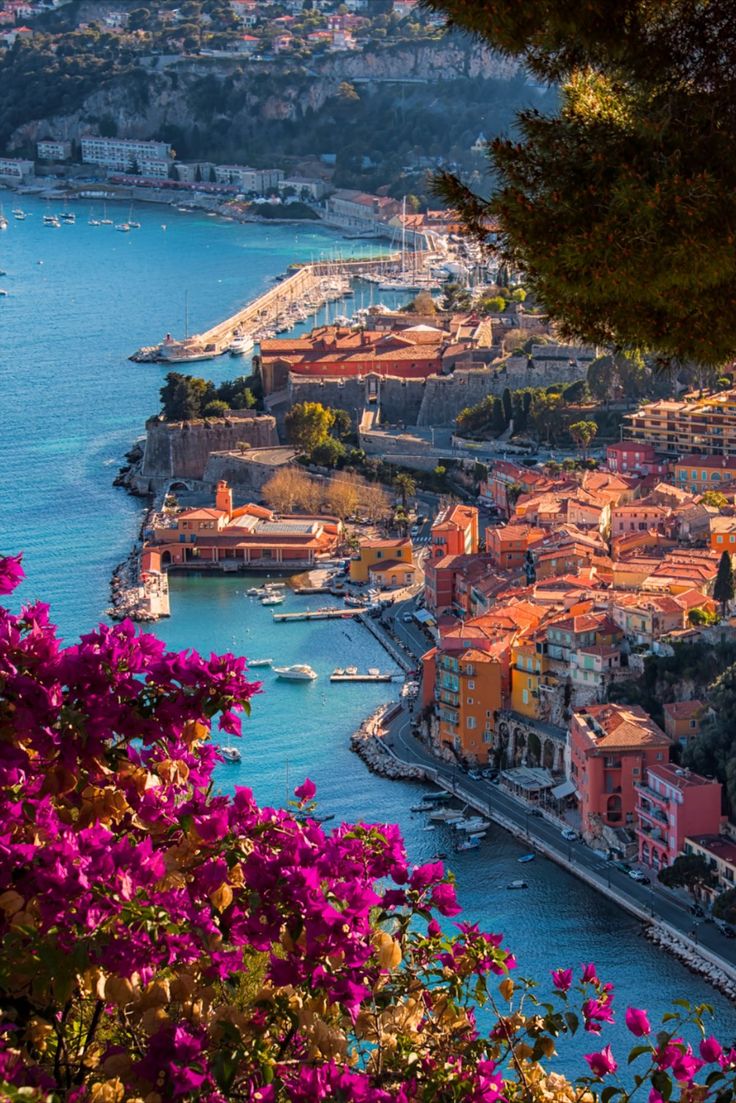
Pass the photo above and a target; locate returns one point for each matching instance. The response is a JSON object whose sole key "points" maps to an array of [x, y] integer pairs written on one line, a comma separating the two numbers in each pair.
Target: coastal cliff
{"points": [[212, 105]]}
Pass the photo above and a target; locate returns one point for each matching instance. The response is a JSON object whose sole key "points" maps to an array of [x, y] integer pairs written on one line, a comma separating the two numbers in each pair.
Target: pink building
{"points": [[633, 456], [636, 517], [611, 748], [672, 804], [455, 532]]}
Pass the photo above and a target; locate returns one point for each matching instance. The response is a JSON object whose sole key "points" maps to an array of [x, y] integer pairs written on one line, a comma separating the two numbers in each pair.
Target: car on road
{"points": [[407, 618], [637, 875], [475, 774], [535, 811], [569, 834], [727, 930], [696, 910], [415, 530]]}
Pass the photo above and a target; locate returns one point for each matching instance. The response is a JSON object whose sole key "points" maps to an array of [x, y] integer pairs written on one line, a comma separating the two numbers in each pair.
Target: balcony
{"points": [[652, 794], [447, 697], [652, 814], [648, 832]]}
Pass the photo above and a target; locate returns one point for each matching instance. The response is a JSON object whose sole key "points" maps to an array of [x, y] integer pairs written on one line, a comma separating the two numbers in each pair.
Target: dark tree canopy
{"points": [[620, 209]]}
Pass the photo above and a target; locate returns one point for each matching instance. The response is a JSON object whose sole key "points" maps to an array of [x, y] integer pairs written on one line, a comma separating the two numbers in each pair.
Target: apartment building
{"points": [[611, 748], [16, 169], [681, 427], [455, 532], [122, 154], [672, 804], [700, 473], [257, 181], [53, 149]]}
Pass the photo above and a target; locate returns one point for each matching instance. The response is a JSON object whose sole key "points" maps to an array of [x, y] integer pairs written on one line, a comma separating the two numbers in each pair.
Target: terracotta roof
{"points": [[728, 462], [201, 515], [377, 542], [678, 778], [624, 727], [683, 710], [390, 565]]}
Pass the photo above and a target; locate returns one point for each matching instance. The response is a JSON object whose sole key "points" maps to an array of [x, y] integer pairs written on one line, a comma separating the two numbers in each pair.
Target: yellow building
{"points": [[380, 553], [468, 691], [529, 671], [680, 427]]}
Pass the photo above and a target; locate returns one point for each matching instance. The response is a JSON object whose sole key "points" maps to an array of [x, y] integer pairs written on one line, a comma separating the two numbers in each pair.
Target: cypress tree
{"points": [[723, 590], [506, 400]]}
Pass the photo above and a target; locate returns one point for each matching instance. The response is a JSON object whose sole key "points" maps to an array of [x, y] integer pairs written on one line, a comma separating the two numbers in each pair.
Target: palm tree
{"points": [[406, 486]]}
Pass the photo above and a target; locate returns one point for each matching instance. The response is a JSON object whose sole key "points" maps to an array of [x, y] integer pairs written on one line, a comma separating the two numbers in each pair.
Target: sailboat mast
{"points": [[403, 236], [186, 315]]}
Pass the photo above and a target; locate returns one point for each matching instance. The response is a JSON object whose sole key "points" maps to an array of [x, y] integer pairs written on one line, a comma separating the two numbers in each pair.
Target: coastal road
{"points": [[653, 899]]}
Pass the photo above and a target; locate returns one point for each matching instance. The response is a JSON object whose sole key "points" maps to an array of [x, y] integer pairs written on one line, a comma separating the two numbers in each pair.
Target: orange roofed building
{"points": [[455, 532], [390, 560], [611, 748], [247, 535]]}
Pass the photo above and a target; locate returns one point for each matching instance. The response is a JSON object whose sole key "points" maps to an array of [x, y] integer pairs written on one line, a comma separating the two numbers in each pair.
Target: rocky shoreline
{"points": [[367, 743], [695, 962]]}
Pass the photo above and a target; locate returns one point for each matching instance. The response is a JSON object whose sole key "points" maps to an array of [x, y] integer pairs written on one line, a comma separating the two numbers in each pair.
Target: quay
{"points": [[319, 614], [368, 677], [294, 298]]}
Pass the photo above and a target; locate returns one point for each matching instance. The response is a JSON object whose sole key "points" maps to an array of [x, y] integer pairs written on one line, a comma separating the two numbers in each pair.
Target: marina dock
{"points": [[302, 292], [368, 677], [319, 614]]}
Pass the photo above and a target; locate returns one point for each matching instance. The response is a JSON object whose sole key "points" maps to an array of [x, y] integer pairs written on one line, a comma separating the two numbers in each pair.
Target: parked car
{"points": [[695, 909], [535, 811], [637, 875], [475, 774], [407, 618], [415, 530], [569, 834], [727, 930]]}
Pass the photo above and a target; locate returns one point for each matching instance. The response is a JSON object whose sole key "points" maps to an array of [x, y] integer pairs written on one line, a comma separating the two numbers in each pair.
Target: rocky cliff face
{"points": [[163, 92]]}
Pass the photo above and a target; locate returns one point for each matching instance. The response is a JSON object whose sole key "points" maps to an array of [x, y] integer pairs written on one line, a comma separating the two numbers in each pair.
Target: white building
{"points": [[53, 149], [154, 166], [16, 168], [122, 154], [247, 179], [303, 186]]}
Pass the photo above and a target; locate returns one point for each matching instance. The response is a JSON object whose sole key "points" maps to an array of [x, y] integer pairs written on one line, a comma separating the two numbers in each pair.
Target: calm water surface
{"points": [[71, 404]]}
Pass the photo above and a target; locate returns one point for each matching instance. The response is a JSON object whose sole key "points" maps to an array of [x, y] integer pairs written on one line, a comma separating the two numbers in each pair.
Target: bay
{"points": [[70, 406]]}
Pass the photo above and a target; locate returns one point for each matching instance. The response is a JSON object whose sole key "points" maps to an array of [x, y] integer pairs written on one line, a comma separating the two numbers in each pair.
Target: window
{"points": [[635, 771], [469, 700], [692, 723], [470, 671], [660, 756], [470, 723], [488, 712], [525, 696], [719, 539]]}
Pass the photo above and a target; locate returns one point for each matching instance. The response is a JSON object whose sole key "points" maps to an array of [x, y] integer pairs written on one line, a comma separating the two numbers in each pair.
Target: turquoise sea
{"points": [[70, 406]]}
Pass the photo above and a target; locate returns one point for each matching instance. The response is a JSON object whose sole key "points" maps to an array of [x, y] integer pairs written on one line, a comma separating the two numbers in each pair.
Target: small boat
{"points": [[163, 225], [272, 599], [469, 844], [19, 216], [51, 220], [421, 807], [230, 754], [517, 885], [259, 662], [123, 227], [68, 217], [526, 858], [351, 670], [373, 671], [18, 210], [3, 293], [134, 225], [430, 827], [299, 672], [338, 670], [3, 222], [93, 222], [254, 591]]}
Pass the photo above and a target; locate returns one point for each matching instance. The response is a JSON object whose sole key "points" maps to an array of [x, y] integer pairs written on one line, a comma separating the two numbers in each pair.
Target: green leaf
{"points": [[608, 1093], [573, 1022], [637, 1052], [662, 1082], [682, 1003]]}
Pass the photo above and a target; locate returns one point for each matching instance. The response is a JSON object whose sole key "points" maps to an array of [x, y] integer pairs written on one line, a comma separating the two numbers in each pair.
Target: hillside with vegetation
{"points": [[178, 75]]}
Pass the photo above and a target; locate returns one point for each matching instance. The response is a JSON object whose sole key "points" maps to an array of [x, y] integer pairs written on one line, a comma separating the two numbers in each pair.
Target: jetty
{"points": [[318, 614], [300, 294], [358, 677]]}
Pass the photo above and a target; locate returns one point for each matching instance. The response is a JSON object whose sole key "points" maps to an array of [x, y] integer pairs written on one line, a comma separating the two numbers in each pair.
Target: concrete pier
{"points": [[307, 288]]}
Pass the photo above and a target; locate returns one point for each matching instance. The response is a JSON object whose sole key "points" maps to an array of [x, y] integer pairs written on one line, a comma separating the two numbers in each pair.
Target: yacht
{"points": [[123, 227], [94, 222], [68, 217], [240, 344], [259, 662], [230, 754], [253, 591], [3, 221], [18, 210], [105, 221], [517, 885], [469, 844], [51, 220], [19, 216], [300, 672], [526, 858]]}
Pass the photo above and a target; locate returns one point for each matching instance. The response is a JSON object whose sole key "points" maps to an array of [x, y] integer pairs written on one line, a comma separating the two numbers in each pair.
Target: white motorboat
{"points": [[272, 599], [299, 672], [19, 216], [444, 815], [94, 222], [517, 885], [3, 293], [254, 591], [469, 844], [134, 225], [240, 344], [472, 825], [351, 670], [259, 662], [230, 754], [123, 227], [68, 217], [51, 220]]}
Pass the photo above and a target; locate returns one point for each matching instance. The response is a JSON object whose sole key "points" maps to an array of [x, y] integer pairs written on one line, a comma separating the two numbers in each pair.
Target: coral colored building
{"points": [[671, 804], [611, 748], [634, 456], [469, 688], [455, 532], [508, 544]]}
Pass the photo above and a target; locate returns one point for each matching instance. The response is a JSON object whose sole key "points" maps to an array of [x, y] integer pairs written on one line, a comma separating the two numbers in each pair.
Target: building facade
{"points": [[671, 804], [16, 169], [53, 149], [377, 553], [122, 154], [676, 427]]}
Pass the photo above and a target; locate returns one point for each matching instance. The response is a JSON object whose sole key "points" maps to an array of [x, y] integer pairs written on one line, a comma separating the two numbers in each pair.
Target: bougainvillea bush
{"points": [[163, 942]]}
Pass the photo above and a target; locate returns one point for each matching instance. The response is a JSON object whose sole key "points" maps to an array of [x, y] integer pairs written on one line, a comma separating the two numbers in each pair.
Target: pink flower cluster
{"points": [[161, 942]]}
